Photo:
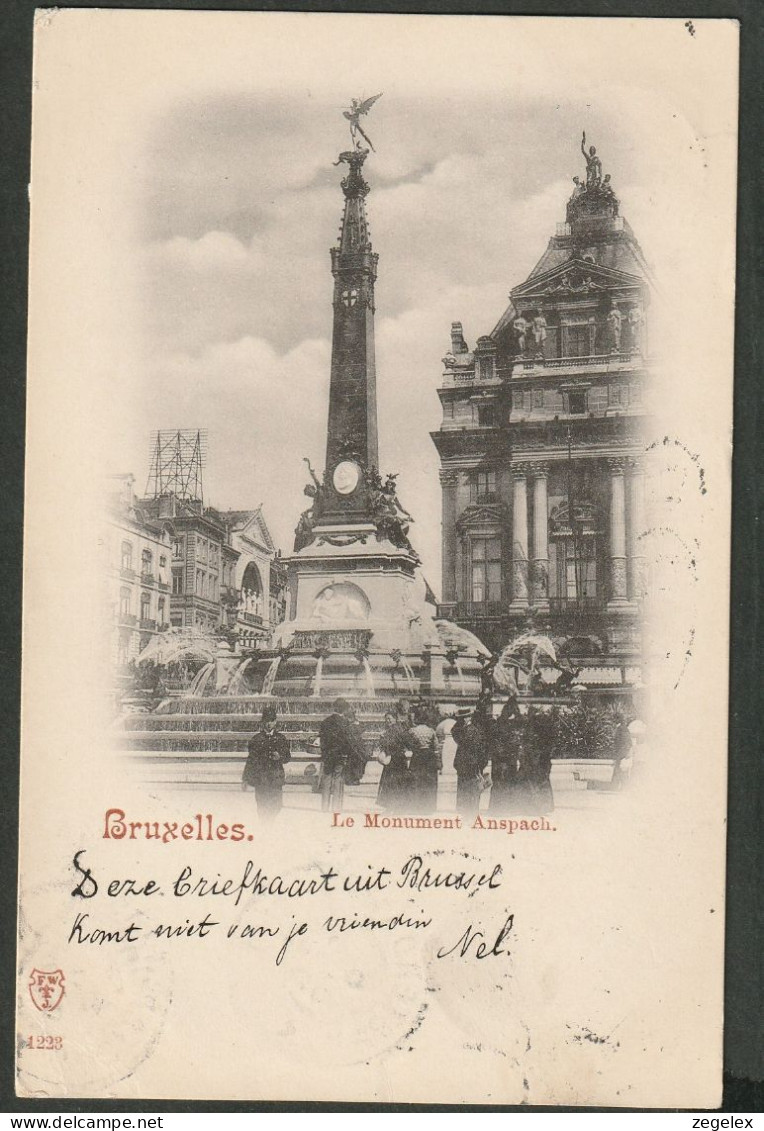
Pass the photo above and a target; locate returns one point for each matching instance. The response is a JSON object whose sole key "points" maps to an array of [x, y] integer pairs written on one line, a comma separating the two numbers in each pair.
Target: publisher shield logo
{"points": [[46, 988]]}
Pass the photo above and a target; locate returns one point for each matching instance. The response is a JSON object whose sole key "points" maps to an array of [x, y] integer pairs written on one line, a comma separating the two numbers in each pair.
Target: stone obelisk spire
{"points": [[351, 443], [353, 389]]}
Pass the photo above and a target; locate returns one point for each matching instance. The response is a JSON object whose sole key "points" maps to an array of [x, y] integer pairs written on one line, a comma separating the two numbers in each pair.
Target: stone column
{"points": [[540, 549], [448, 481], [519, 541], [636, 530], [618, 578]]}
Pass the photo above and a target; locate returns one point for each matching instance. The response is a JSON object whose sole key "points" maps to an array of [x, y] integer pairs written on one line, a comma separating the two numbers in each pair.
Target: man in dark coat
{"points": [[342, 754], [505, 759], [264, 768], [536, 759], [473, 753]]}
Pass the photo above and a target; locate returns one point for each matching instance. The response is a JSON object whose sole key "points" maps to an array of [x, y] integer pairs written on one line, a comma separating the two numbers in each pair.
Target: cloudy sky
{"points": [[235, 204]]}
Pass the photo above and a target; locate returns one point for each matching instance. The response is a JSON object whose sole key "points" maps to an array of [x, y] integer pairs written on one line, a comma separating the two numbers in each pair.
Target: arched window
{"points": [[127, 555], [124, 602], [146, 561], [145, 606], [161, 613], [251, 582]]}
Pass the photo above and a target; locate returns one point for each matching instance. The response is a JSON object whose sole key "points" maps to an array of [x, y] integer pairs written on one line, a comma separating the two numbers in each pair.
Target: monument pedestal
{"points": [[355, 590]]}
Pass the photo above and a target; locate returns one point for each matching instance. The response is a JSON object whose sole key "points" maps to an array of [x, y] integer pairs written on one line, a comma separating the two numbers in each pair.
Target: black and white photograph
{"points": [[379, 411]]}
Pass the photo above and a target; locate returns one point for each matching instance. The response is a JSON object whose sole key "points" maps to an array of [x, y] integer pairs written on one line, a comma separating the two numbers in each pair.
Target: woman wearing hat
{"points": [[264, 769], [397, 783]]}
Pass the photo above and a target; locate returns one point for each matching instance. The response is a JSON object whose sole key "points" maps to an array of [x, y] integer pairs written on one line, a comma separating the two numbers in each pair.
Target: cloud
{"points": [[240, 209], [214, 251]]}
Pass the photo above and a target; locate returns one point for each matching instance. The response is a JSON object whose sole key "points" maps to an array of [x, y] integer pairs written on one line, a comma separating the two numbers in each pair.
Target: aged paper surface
{"points": [[173, 943]]}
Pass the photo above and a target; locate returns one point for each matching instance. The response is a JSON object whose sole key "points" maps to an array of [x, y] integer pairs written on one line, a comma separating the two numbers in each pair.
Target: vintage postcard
{"points": [[377, 558]]}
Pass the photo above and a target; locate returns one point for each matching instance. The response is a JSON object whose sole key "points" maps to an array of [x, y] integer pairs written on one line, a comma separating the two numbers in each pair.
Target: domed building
{"points": [[541, 446]]}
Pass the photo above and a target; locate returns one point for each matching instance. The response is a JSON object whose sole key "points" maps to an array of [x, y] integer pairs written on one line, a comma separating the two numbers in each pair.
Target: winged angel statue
{"points": [[360, 106]]}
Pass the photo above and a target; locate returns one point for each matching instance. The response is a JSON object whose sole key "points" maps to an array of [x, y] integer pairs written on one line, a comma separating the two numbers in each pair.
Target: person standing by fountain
{"points": [[473, 754], [396, 783], [264, 768], [342, 752], [537, 759], [425, 761], [505, 759]]}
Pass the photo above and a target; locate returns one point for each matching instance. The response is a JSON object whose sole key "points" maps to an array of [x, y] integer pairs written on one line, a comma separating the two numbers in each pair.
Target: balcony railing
{"points": [[148, 625], [251, 618], [127, 573], [147, 579], [575, 604], [164, 586], [470, 609]]}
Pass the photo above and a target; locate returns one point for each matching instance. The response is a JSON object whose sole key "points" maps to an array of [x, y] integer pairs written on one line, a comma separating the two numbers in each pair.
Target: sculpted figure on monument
{"points": [[303, 534], [359, 106], [393, 521], [339, 602]]}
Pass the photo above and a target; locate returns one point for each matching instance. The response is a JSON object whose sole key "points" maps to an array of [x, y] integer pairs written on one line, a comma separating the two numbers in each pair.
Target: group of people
{"points": [[510, 755]]}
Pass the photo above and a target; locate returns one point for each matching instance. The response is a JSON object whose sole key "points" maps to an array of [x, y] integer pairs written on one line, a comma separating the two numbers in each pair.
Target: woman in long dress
{"points": [[396, 781], [425, 763]]}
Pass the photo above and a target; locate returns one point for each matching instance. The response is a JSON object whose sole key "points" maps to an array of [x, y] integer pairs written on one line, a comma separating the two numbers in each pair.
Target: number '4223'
{"points": [[44, 1042]]}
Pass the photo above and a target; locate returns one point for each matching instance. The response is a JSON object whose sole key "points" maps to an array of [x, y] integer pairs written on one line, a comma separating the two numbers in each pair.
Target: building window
{"points": [[577, 568], [483, 487], [448, 410], [199, 583], [537, 398], [177, 549], [486, 569], [576, 403], [177, 582], [127, 555], [124, 602], [577, 341], [487, 416], [161, 618], [163, 561], [202, 550], [145, 606], [213, 554], [146, 560], [485, 368]]}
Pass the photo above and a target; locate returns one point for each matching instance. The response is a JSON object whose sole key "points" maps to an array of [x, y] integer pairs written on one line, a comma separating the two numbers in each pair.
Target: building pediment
{"points": [[481, 515], [578, 276], [252, 527]]}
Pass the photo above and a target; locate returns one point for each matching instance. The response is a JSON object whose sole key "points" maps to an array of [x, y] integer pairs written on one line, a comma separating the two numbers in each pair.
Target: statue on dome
{"points": [[593, 165], [359, 106]]}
